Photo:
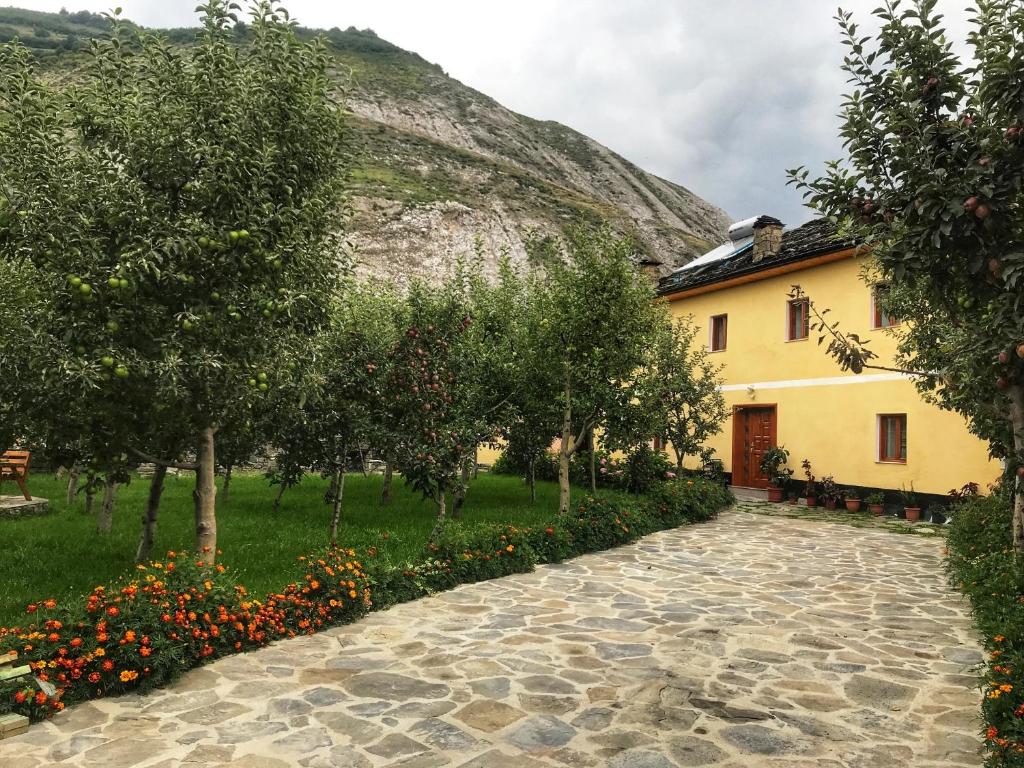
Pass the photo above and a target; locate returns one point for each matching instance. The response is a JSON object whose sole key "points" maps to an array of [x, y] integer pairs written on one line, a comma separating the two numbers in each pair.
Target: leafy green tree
{"points": [[932, 184], [680, 389], [182, 206], [596, 316], [429, 438]]}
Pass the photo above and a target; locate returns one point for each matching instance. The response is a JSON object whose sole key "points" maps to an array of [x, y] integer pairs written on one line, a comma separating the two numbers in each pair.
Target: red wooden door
{"points": [[753, 433]]}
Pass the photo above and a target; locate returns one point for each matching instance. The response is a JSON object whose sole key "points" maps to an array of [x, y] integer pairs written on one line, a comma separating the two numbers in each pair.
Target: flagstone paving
{"points": [[749, 641]]}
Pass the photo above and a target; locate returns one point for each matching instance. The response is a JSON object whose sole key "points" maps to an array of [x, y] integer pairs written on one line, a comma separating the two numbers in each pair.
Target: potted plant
{"points": [[773, 466], [852, 497], [911, 506], [829, 493], [876, 503], [810, 489]]}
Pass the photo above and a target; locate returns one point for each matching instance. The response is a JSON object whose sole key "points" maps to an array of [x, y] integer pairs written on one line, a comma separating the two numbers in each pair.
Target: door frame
{"points": [[737, 435]]}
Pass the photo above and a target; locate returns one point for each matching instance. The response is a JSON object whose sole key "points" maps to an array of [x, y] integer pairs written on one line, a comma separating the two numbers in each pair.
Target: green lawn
{"points": [[61, 555]]}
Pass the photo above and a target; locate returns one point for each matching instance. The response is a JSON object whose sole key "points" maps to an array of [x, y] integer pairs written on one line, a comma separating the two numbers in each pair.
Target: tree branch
{"points": [[161, 462]]}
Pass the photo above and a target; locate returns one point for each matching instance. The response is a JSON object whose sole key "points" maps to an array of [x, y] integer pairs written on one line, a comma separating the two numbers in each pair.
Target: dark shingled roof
{"points": [[814, 238]]}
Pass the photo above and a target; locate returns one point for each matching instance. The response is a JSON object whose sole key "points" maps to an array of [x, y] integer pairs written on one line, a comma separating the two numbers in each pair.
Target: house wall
{"points": [[825, 414]]}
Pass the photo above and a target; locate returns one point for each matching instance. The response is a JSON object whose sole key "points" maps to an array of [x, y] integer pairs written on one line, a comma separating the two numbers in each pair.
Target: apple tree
{"points": [[931, 182], [595, 318], [679, 389], [182, 206]]}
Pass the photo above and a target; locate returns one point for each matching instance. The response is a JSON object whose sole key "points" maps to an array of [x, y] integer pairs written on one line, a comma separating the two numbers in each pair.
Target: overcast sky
{"points": [[720, 96]]}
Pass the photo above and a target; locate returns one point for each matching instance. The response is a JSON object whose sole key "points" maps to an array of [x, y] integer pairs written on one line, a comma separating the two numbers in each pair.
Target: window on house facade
{"points": [[719, 332], [879, 317], [892, 437], [797, 321]]}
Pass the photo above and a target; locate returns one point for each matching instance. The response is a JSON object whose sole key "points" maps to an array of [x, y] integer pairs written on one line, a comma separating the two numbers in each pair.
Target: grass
{"points": [[61, 555]]}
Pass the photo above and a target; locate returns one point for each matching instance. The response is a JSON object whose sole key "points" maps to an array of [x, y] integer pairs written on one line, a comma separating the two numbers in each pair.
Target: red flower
{"points": [[40, 698], [20, 697], [113, 611], [32, 608], [76, 642]]}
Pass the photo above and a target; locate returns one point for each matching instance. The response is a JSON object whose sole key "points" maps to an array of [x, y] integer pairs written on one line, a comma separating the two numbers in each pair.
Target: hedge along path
{"points": [[748, 641]]}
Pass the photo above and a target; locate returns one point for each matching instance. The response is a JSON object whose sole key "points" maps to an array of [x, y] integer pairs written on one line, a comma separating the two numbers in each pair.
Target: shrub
{"points": [[166, 618], [982, 565], [170, 616]]}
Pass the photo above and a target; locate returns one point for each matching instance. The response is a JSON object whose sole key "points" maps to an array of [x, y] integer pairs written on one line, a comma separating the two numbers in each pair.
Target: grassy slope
{"points": [[60, 554]]}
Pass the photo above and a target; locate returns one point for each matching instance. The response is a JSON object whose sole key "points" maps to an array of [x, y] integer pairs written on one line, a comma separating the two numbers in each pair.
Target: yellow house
{"points": [[870, 430]]}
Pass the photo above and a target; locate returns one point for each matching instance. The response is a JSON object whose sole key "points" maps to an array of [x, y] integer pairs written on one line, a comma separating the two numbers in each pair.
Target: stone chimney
{"points": [[767, 237]]}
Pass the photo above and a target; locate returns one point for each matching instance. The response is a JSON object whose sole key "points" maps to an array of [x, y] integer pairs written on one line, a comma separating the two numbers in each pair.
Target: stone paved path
{"points": [[748, 641]]}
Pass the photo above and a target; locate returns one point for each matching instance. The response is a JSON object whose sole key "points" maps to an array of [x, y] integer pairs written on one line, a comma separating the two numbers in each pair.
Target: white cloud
{"points": [[719, 96]]}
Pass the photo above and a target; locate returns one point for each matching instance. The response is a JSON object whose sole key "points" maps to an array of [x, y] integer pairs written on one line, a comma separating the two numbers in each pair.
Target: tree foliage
{"points": [[932, 184]]}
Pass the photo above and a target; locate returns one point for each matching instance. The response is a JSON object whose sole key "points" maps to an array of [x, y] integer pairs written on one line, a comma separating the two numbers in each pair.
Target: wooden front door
{"points": [[753, 433]]}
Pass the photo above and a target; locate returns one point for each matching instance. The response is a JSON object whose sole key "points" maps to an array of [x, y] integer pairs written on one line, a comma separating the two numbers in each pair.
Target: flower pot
{"points": [[774, 494], [913, 514], [812, 501], [853, 505], [877, 509], [830, 504]]}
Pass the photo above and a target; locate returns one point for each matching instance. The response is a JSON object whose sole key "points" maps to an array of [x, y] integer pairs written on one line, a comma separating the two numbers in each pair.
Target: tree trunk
{"points": [[205, 498], [339, 492], [1016, 394], [227, 483], [679, 458], [460, 494], [593, 461], [105, 522], [332, 492], [565, 449], [439, 525], [385, 492], [277, 499], [73, 474], [148, 536], [90, 496], [533, 480], [476, 462]]}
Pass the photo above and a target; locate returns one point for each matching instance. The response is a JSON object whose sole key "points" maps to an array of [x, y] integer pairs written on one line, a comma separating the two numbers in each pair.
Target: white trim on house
{"points": [[829, 381]]}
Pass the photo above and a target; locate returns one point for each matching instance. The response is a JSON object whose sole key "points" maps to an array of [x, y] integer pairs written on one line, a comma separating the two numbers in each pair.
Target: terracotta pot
{"points": [[774, 494], [812, 501], [913, 514], [877, 509], [830, 504], [853, 505]]}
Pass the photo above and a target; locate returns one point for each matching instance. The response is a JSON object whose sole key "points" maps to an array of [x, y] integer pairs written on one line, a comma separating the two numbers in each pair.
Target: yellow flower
{"points": [[99, 652]]}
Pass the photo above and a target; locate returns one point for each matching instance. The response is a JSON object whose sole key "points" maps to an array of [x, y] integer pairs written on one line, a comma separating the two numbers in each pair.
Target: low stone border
{"points": [[842, 517], [16, 506]]}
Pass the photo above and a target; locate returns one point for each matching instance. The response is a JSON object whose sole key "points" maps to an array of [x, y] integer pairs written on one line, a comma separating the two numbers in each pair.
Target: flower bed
{"points": [[982, 565], [176, 614]]}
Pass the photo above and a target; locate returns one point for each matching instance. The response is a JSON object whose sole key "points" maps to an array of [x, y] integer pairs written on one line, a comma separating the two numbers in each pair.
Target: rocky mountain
{"points": [[438, 165]]}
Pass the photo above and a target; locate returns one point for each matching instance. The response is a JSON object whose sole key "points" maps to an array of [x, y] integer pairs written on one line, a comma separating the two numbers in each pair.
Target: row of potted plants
{"points": [[773, 466]]}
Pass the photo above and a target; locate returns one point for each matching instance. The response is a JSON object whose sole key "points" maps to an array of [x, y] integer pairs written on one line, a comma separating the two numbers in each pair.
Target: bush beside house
{"points": [[982, 565]]}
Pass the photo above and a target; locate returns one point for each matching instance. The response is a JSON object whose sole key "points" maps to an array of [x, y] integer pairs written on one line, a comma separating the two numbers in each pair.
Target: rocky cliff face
{"points": [[441, 165]]}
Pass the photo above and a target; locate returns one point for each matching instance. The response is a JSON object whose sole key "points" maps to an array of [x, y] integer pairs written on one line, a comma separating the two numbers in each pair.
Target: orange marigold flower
{"points": [[128, 675], [353, 594], [145, 651], [51, 603], [76, 642], [130, 635], [53, 637], [107, 665], [20, 697], [31, 608], [992, 732], [999, 638], [40, 698], [94, 677], [113, 611], [509, 548], [102, 637]]}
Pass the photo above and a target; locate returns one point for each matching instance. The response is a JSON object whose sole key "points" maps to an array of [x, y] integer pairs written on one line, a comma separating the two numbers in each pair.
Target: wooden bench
{"points": [[11, 724], [14, 466]]}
